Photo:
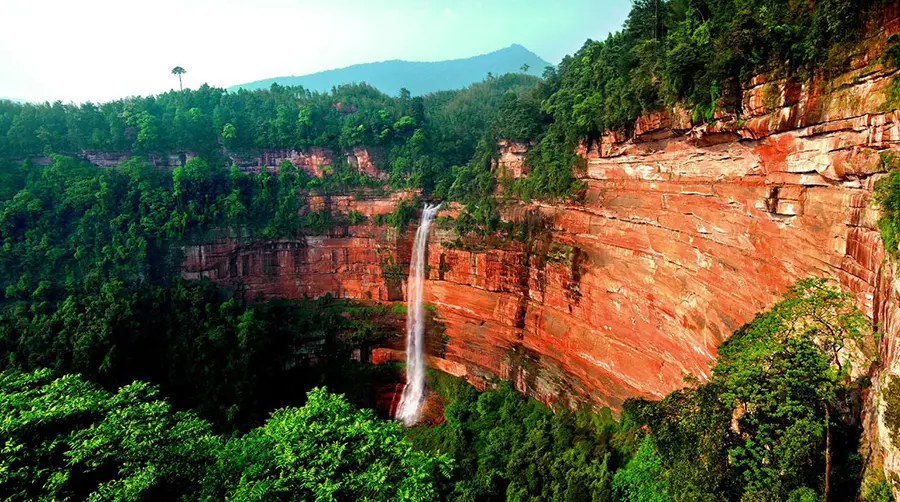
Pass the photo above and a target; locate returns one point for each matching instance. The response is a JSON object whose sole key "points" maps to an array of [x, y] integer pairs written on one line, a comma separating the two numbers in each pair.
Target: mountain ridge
{"points": [[419, 77]]}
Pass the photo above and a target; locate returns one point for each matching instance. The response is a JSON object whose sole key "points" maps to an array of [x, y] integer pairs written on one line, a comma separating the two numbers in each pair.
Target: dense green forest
{"points": [[65, 439], [121, 380], [794, 437], [691, 52], [426, 139]]}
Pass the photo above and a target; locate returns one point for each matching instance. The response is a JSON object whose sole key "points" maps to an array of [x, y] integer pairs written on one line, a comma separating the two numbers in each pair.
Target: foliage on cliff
{"points": [[887, 196], [66, 439], [90, 276], [695, 53], [767, 425], [776, 421]]}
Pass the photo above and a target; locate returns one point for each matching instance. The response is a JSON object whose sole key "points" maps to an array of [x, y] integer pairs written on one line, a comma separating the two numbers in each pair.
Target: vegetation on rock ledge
{"points": [[768, 424], [89, 269]]}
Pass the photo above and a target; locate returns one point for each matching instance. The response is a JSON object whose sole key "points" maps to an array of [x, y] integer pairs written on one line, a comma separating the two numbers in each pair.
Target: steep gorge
{"points": [[680, 239], [681, 234]]}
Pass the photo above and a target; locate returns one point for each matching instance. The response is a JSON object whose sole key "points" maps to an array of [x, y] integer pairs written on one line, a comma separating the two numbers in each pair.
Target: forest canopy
{"points": [[694, 53], [65, 439], [122, 379]]}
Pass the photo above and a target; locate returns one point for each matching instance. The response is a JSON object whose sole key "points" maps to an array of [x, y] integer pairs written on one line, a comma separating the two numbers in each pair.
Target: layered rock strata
{"points": [[314, 161], [682, 233], [679, 237]]}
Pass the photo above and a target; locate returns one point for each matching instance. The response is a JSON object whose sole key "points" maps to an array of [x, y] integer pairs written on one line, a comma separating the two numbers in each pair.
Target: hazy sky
{"points": [[78, 50]]}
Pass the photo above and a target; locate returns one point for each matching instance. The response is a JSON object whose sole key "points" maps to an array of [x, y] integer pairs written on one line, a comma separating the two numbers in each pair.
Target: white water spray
{"points": [[414, 391]]}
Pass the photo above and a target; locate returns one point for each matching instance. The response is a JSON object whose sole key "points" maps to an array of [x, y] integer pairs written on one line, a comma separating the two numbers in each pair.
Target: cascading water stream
{"points": [[414, 391]]}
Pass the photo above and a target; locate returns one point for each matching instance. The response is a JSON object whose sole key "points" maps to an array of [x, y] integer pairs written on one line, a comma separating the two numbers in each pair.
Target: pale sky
{"points": [[98, 50]]}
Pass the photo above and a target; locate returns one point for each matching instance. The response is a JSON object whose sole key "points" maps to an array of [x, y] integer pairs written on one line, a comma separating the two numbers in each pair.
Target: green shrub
{"points": [[887, 197], [891, 396], [403, 213], [877, 492], [892, 95]]}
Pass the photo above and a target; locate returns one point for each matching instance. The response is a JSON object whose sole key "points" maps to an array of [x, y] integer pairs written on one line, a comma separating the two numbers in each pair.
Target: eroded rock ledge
{"points": [[682, 234]]}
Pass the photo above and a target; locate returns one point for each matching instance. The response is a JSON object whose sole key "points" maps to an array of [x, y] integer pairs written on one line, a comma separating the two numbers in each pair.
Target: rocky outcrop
{"points": [[361, 261], [315, 161], [511, 160], [679, 237], [363, 160]]}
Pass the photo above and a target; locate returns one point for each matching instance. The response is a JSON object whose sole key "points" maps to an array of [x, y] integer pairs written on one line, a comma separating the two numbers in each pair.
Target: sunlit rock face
{"points": [[674, 244], [511, 158], [682, 233], [363, 261]]}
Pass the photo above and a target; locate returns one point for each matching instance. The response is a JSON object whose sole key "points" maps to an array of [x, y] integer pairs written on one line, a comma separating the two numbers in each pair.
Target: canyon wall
{"points": [[315, 161], [363, 261], [681, 234], [677, 241], [679, 237]]}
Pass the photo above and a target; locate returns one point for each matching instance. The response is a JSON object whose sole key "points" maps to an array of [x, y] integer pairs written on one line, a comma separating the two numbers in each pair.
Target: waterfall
{"points": [[414, 391]]}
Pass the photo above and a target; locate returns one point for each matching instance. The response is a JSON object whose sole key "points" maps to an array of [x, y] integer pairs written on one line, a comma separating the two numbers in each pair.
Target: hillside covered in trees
{"points": [[123, 380]]}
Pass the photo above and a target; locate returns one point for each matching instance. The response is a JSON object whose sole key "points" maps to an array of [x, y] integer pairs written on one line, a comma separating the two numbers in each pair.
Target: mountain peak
{"points": [[419, 77]]}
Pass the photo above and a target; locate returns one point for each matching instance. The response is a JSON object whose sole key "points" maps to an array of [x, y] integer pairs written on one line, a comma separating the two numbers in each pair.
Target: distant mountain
{"points": [[418, 77], [14, 100]]}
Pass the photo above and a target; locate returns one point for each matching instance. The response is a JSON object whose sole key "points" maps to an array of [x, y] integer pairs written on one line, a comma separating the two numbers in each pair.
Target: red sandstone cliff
{"points": [[363, 261], [682, 234], [679, 239], [314, 160]]}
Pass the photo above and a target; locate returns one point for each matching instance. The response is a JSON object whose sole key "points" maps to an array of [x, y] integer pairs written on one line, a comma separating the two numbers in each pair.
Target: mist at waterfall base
{"points": [[414, 392]]}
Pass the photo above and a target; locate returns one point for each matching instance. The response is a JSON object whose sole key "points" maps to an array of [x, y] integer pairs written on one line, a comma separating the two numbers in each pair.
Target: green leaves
{"points": [[763, 425], [510, 446], [641, 479], [326, 450], [65, 439]]}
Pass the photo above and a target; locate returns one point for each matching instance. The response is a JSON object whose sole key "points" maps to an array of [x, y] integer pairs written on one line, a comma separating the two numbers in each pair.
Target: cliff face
{"points": [[680, 237], [682, 233], [511, 159], [363, 261], [679, 240], [313, 160]]}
